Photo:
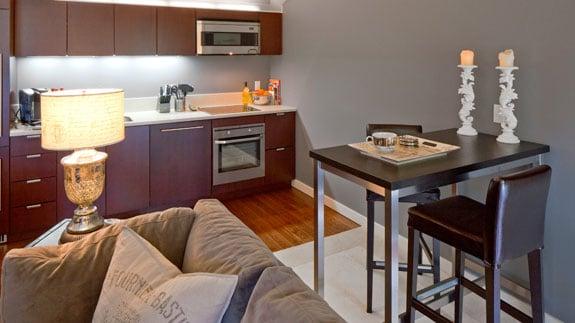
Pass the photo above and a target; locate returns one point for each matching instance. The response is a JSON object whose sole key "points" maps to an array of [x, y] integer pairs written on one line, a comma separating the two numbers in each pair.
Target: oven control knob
{"points": [[228, 132], [249, 129]]}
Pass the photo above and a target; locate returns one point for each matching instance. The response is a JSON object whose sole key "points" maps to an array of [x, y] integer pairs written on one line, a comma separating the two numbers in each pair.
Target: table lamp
{"points": [[82, 120]]}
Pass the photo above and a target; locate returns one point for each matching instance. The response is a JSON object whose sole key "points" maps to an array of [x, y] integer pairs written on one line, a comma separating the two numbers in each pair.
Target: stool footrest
{"points": [[422, 269], [435, 316], [506, 307]]}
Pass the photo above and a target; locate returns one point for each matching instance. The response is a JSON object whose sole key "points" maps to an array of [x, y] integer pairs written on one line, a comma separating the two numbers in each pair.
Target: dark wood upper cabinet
{"points": [[176, 31], [5, 32], [90, 29], [271, 33], [128, 173], [180, 163], [211, 14], [280, 130], [135, 30], [40, 28]]}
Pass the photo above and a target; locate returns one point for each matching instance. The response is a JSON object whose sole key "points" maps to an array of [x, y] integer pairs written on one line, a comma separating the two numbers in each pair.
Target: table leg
{"points": [[318, 242], [391, 255]]}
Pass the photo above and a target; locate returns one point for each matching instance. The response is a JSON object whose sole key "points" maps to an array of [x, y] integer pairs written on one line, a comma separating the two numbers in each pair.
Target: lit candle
{"points": [[506, 58], [467, 57]]}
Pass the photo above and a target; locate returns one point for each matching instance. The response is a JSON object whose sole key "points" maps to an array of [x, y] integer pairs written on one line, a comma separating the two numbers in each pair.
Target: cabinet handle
{"points": [[279, 114], [33, 156], [280, 149], [182, 129], [33, 137], [35, 206], [32, 181]]}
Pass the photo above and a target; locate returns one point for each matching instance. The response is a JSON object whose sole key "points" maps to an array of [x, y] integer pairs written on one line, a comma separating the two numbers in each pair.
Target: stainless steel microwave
{"points": [[228, 37]]}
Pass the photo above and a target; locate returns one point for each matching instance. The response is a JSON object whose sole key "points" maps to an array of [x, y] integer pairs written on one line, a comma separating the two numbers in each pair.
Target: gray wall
{"points": [[140, 76], [347, 63]]}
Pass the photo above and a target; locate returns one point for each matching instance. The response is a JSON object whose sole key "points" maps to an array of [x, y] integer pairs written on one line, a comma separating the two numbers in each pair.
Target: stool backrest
{"points": [[516, 214], [399, 129]]}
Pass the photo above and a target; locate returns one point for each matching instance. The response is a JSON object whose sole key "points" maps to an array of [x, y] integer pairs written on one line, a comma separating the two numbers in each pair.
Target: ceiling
{"points": [[249, 5]]}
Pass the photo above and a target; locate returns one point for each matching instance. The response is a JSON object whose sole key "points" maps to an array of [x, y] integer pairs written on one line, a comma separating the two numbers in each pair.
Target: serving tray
{"points": [[403, 154]]}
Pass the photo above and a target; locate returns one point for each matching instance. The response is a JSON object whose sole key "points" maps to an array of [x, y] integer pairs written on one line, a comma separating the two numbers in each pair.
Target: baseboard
{"points": [[510, 287]]}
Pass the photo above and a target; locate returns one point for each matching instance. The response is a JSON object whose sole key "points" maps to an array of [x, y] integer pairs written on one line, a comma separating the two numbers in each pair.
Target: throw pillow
{"points": [[141, 285]]}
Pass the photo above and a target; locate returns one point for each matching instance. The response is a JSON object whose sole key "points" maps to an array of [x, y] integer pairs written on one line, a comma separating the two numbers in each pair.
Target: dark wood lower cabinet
{"points": [[180, 163], [4, 186], [280, 166], [31, 221], [128, 173]]}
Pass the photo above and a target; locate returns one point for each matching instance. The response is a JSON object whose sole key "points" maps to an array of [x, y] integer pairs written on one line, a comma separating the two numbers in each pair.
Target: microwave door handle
{"points": [[236, 141]]}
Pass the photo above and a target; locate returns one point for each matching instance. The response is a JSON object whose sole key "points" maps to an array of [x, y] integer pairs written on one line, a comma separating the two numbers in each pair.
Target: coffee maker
{"points": [[30, 108]]}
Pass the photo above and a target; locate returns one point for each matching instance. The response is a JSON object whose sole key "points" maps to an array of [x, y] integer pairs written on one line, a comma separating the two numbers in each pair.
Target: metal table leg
{"points": [[391, 255], [318, 242]]}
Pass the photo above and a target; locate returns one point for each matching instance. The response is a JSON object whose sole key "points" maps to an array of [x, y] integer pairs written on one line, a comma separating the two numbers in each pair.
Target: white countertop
{"points": [[151, 117]]}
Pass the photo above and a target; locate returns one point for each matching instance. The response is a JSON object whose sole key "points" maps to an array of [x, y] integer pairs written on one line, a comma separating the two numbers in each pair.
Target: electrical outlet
{"points": [[497, 116]]}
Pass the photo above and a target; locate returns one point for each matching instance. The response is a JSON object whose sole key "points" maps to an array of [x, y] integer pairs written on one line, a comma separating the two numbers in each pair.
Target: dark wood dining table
{"points": [[478, 156]]}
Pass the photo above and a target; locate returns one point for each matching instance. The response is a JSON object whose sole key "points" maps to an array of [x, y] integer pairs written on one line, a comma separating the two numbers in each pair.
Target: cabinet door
{"points": [[280, 130], [65, 207], [280, 166], [5, 32], [90, 29], [271, 33], [40, 28], [135, 30], [180, 163], [4, 194], [210, 14], [128, 173], [176, 31]]}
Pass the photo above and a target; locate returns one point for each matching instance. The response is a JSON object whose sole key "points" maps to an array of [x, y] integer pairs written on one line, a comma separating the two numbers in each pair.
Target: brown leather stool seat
{"points": [[458, 220]]}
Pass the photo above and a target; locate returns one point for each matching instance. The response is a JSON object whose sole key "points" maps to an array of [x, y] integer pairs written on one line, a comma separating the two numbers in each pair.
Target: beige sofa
{"points": [[63, 283]]}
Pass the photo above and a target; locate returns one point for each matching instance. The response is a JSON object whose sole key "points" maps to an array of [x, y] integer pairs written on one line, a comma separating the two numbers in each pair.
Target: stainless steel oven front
{"points": [[239, 153]]}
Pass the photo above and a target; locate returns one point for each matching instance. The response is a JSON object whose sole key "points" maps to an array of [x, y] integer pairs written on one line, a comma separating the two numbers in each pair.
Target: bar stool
{"points": [[419, 199], [509, 225]]}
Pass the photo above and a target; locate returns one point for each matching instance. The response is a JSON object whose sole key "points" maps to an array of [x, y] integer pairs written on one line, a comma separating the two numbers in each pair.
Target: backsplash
{"points": [[140, 76]]}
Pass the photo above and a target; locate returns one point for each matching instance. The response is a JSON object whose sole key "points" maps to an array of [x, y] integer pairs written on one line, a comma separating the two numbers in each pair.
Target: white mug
{"points": [[383, 140]]}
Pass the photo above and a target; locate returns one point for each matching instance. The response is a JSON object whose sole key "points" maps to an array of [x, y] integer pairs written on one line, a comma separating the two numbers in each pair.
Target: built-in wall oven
{"points": [[228, 38], [239, 153]]}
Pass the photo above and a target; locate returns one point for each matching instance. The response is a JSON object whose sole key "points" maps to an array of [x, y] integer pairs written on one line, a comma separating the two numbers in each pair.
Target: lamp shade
{"points": [[77, 119]]}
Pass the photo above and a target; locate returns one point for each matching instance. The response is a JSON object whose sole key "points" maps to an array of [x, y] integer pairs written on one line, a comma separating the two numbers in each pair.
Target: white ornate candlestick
{"points": [[467, 101], [506, 107]]}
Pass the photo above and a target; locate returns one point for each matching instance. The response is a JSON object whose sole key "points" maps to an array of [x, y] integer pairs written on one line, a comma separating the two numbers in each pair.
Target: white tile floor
{"points": [[345, 284]]}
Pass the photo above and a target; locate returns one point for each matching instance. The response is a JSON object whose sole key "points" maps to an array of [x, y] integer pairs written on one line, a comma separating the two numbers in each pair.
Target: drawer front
{"points": [[32, 167], [32, 218], [33, 191], [280, 130], [26, 145]]}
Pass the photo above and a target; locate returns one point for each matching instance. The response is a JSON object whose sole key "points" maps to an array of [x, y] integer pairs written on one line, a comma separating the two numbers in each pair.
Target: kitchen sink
{"points": [[228, 109]]}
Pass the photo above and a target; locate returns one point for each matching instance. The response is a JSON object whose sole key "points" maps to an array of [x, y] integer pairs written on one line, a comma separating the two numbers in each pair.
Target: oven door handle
{"points": [[236, 141]]}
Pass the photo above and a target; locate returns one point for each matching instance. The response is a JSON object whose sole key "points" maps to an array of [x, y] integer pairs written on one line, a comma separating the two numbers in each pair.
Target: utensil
{"points": [[384, 141]]}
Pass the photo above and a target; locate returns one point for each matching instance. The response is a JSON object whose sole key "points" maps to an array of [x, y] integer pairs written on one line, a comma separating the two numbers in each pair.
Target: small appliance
{"points": [[228, 37], [30, 106]]}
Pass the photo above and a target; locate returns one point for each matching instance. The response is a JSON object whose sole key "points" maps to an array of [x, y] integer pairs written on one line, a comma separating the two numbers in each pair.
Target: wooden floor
{"points": [[284, 219]]}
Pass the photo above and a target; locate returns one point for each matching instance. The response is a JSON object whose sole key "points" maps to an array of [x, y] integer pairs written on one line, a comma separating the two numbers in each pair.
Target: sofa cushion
{"points": [[281, 296], [220, 243], [63, 283], [143, 286]]}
